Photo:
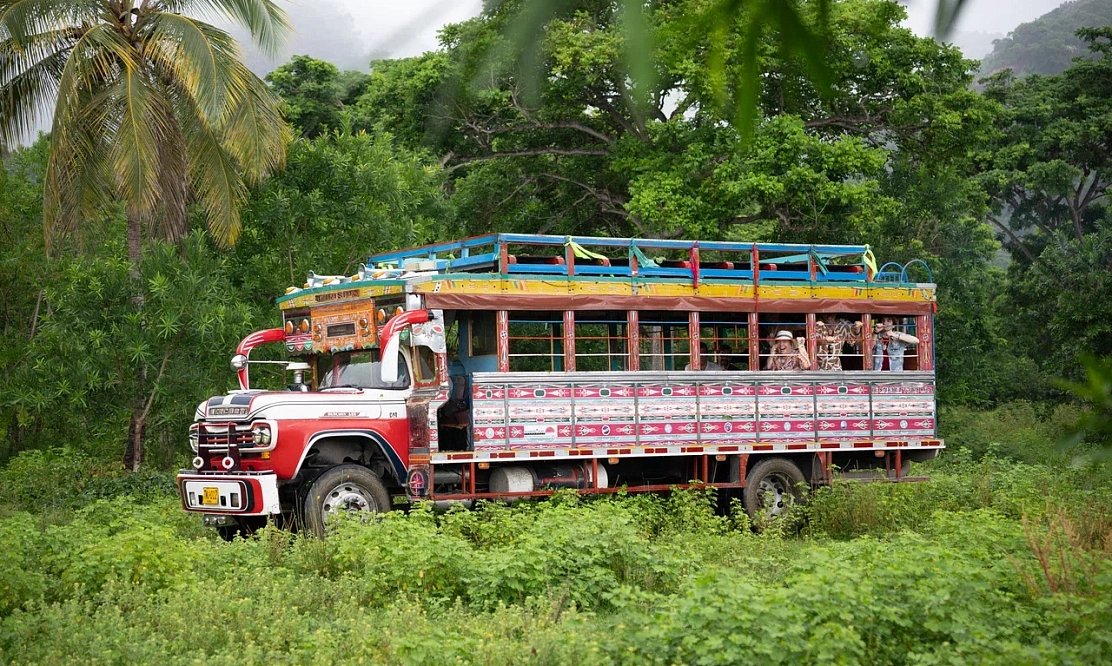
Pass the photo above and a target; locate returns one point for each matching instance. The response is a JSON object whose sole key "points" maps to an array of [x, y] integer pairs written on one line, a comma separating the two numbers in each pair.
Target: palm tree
{"points": [[147, 101], [151, 107]]}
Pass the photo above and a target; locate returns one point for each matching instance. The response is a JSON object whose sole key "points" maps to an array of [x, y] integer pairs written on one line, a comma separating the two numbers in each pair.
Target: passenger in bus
{"points": [[888, 339], [784, 357], [704, 359], [726, 357], [831, 337]]}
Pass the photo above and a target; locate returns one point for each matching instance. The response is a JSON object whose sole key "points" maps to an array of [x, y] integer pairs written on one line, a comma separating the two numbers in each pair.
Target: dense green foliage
{"points": [[1001, 558], [1048, 44], [897, 151], [1004, 557]]}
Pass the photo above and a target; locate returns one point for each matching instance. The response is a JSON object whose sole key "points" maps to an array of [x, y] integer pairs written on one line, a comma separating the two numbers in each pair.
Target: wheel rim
{"points": [[348, 498], [775, 492]]}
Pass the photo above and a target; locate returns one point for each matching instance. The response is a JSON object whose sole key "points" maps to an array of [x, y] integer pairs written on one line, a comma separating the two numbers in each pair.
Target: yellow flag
{"points": [[870, 259]]}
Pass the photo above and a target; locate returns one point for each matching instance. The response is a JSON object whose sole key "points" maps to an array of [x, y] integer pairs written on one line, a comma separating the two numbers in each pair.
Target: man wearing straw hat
{"points": [[784, 357]]}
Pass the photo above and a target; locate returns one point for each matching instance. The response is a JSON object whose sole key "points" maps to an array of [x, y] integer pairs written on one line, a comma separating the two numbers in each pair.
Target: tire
{"points": [[343, 488], [772, 486]]}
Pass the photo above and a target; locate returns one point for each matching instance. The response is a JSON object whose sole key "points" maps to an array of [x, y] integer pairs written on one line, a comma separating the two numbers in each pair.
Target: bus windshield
{"points": [[358, 369]]}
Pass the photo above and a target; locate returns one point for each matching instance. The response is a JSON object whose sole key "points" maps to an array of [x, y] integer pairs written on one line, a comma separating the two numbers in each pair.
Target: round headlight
{"points": [[239, 362], [198, 462], [227, 462], [194, 439]]}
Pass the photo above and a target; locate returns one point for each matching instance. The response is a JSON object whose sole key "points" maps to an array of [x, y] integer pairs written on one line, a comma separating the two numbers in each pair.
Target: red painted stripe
{"points": [[727, 448], [792, 447], [762, 447], [862, 445], [692, 449], [830, 445]]}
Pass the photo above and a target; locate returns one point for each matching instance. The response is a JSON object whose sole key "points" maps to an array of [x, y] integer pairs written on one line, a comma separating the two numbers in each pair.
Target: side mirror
{"points": [[239, 362], [390, 359]]}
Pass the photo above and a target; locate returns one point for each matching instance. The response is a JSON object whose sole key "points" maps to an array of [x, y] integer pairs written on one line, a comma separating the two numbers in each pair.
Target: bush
{"points": [[22, 578], [62, 480], [1019, 431]]}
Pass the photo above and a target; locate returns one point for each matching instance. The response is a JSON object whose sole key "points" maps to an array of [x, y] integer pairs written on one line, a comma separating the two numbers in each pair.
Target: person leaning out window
{"points": [[788, 354]]}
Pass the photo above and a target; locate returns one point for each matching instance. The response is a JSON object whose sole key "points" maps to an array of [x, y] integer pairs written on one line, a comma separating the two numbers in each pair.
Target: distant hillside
{"points": [[1047, 45]]}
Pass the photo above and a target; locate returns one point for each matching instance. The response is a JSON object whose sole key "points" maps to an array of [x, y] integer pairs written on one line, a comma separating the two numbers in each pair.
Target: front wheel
{"points": [[773, 485], [343, 489]]}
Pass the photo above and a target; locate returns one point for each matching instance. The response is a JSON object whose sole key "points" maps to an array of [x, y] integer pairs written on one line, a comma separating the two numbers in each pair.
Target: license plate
{"points": [[211, 496]]}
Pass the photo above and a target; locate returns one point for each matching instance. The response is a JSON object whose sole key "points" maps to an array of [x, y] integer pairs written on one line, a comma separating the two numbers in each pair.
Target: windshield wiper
{"points": [[342, 386]]}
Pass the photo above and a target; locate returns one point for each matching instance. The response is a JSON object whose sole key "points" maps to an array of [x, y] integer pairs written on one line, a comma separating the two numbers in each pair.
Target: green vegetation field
{"points": [[1003, 558]]}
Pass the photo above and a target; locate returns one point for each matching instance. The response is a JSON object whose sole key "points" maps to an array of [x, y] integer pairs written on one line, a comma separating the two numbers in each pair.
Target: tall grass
{"points": [[1003, 557]]}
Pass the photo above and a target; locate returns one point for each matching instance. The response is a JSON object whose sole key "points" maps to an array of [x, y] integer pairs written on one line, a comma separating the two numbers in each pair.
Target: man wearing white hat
{"points": [[784, 357]]}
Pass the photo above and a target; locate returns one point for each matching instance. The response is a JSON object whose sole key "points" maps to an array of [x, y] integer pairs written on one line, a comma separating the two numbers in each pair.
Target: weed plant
{"points": [[999, 559]]}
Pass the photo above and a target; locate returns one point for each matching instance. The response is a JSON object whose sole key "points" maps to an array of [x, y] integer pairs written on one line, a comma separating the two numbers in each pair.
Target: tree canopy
{"points": [[1001, 192]]}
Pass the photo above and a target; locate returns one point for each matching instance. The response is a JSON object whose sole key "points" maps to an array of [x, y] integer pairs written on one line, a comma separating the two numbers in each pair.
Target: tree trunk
{"points": [[136, 430], [133, 453]]}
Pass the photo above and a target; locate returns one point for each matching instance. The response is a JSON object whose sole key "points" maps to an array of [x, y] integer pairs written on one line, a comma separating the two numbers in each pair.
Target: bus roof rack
{"points": [[570, 256]]}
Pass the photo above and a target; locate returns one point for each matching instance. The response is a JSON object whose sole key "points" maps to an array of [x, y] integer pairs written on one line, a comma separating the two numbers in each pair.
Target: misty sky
{"points": [[351, 32]]}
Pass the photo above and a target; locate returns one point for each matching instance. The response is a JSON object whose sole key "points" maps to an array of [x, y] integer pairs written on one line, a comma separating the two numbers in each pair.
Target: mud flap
{"points": [[419, 480]]}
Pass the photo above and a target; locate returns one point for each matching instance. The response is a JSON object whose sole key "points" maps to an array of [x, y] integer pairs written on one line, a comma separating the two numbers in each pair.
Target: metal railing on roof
{"points": [[570, 256]]}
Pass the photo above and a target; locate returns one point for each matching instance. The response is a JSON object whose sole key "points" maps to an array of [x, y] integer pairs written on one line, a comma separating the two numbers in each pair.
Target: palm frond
{"points": [[169, 219], [26, 94], [217, 184], [142, 126], [256, 134], [96, 60], [77, 180], [79, 129], [198, 57], [267, 22], [946, 15], [21, 20]]}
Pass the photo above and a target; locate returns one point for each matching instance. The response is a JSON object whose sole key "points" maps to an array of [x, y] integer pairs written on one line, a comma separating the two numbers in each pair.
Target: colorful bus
{"points": [[510, 365]]}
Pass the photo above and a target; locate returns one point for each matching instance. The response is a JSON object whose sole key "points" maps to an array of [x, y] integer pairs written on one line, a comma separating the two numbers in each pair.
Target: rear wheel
{"points": [[772, 487], [340, 490]]}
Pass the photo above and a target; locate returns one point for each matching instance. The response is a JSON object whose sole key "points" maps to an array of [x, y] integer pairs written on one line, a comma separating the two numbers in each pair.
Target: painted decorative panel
{"points": [[606, 414], [902, 409], [786, 411], [727, 413], [842, 411], [667, 413]]}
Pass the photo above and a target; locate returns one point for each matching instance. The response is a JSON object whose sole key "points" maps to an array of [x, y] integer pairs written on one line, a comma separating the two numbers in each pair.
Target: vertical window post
{"points": [[634, 340], [569, 338], [754, 342], [693, 340], [502, 326], [926, 341], [866, 341], [812, 341]]}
